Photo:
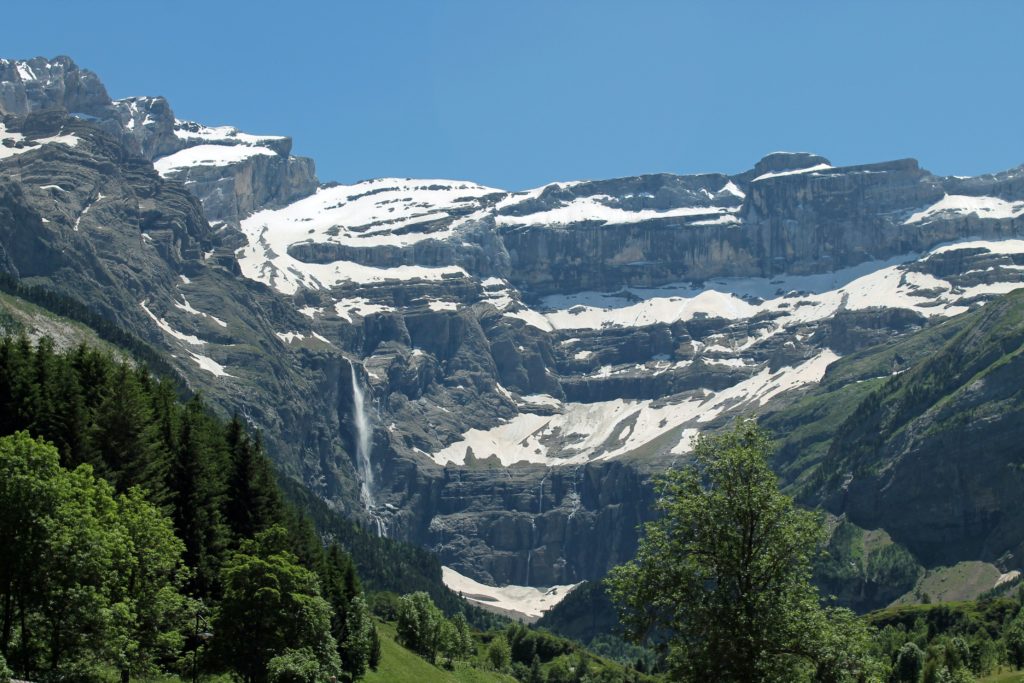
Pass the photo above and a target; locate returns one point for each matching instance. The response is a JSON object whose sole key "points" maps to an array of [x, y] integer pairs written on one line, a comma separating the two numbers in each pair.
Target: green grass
{"points": [[1004, 677], [398, 664], [962, 581]]}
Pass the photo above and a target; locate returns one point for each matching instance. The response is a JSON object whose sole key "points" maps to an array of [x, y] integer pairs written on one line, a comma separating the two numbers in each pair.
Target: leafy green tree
{"points": [[102, 586], [356, 649], [845, 649], [984, 653], [79, 618], [271, 605], [560, 672], [499, 655], [351, 623], [463, 646], [726, 570], [455, 640], [294, 666], [152, 582], [446, 643], [909, 663], [5, 673], [419, 624], [582, 669], [1013, 637], [28, 500], [536, 673]]}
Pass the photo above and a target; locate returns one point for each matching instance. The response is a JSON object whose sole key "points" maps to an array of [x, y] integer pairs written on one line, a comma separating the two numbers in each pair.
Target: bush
{"points": [[499, 654], [384, 605], [5, 673], [294, 666]]}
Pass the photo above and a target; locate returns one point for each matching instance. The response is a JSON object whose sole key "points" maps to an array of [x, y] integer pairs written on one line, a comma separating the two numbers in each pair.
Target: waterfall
{"points": [[533, 525], [364, 445], [529, 554]]}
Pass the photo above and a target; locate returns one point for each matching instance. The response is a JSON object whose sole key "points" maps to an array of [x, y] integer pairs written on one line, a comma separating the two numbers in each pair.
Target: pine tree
{"points": [[253, 499], [374, 661], [124, 438], [196, 481]]}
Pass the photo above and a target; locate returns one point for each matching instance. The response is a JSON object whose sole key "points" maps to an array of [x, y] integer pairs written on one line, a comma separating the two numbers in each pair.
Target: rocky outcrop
{"points": [[42, 84], [232, 191], [536, 526]]}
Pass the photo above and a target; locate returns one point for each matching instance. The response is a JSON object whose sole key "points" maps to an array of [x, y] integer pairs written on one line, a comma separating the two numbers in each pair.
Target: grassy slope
{"points": [[805, 428], [399, 664], [962, 581], [18, 316]]}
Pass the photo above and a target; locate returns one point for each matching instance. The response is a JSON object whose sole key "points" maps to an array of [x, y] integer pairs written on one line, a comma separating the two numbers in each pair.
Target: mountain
{"points": [[524, 360], [932, 451]]}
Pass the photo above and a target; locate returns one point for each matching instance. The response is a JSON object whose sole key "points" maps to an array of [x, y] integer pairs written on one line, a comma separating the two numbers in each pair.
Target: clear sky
{"points": [[517, 94]]}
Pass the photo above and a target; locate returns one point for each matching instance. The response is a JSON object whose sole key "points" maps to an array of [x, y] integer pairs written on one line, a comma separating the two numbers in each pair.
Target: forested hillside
{"points": [[144, 534]]}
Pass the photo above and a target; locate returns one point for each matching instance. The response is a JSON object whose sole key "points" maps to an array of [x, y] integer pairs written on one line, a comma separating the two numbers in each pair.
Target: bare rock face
{"points": [[528, 359], [42, 84]]}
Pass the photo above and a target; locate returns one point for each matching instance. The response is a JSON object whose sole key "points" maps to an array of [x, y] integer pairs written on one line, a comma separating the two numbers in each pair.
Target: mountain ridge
{"points": [[530, 358]]}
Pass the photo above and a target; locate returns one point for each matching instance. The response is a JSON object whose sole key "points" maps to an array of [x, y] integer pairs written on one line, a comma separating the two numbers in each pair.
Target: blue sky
{"points": [[517, 94]]}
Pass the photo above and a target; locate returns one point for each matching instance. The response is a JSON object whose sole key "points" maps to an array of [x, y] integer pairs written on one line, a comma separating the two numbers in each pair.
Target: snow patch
{"points": [[289, 337], [779, 174], [210, 365], [358, 306], [207, 155], [166, 327], [731, 188], [69, 140], [525, 600], [963, 205], [184, 305], [583, 209], [582, 432]]}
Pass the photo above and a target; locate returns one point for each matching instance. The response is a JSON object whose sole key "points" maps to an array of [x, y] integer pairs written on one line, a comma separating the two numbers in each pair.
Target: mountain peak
{"points": [[777, 162]]}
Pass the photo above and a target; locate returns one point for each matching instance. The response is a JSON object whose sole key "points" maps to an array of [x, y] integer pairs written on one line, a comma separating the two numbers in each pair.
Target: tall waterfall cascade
{"points": [[364, 446]]}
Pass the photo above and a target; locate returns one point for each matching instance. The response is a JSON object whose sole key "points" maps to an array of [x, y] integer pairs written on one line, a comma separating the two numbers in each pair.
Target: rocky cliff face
{"points": [[529, 358]]}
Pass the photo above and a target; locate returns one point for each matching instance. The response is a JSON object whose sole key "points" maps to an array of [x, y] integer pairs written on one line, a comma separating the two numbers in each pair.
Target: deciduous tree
{"points": [[725, 571]]}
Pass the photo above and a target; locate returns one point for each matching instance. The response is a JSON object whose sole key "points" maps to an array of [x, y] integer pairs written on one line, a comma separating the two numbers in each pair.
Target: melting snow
{"points": [[184, 305], [165, 326], [443, 305], [69, 140], [210, 365], [608, 429], [220, 134], [583, 209], [208, 155], [289, 337], [526, 600], [796, 299], [25, 71], [962, 205], [1008, 576], [811, 169], [730, 187], [348, 307]]}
